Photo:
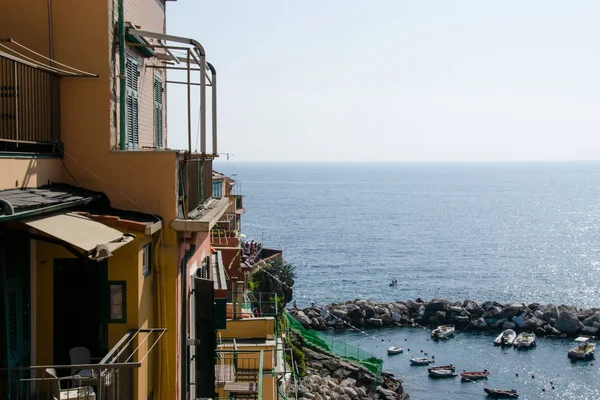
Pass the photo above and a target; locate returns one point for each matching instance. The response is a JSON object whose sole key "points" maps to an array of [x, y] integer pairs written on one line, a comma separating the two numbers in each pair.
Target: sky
{"points": [[394, 80]]}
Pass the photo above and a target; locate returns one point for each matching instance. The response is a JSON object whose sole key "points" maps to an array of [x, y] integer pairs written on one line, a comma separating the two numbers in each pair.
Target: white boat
{"points": [[525, 340], [395, 350], [584, 349], [443, 332], [442, 373], [420, 361], [506, 338]]}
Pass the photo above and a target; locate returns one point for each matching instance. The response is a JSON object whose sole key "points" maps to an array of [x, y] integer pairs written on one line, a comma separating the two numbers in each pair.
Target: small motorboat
{"points": [[394, 350], [443, 332], [442, 373], [524, 341], [450, 367], [584, 349], [506, 338], [473, 375], [421, 361], [501, 394]]}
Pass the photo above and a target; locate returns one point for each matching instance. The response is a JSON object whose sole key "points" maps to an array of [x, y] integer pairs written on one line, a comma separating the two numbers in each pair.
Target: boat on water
{"points": [[394, 350], [583, 351], [421, 361], [443, 332], [525, 340], [506, 338], [500, 393], [473, 375], [442, 373], [451, 367]]}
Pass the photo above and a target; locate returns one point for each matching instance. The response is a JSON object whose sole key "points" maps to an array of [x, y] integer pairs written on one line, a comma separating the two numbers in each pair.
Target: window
{"points": [[217, 189], [131, 102], [146, 261], [158, 112], [118, 304]]}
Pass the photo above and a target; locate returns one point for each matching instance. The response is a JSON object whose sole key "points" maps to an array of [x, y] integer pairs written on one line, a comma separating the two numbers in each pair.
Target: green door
{"points": [[14, 275]]}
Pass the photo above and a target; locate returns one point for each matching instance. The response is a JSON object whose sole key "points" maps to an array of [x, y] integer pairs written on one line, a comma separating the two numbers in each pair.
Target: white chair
{"points": [[77, 393]]}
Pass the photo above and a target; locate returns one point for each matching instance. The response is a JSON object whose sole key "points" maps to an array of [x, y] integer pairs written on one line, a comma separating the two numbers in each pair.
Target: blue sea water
{"points": [[518, 232]]}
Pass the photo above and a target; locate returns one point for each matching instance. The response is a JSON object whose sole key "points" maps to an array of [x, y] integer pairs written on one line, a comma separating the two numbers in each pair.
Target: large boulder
{"points": [[591, 320], [375, 322], [589, 330], [480, 323], [381, 310], [510, 311], [533, 323], [368, 309], [508, 325], [473, 308], [519, 320], [387, 319], [568, 322], [435, 305], [303, 319], [493, 312], [332, 364], [339, 312], [414, 306]]}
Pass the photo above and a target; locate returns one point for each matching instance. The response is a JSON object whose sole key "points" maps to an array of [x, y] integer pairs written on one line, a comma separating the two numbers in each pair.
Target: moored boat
{"points": [[442, 373], [451, 367], [394, 350], [443, 332], [420, 361], [506, 338], [583, 351], [500, 393], [525, 340], [474, 375]]}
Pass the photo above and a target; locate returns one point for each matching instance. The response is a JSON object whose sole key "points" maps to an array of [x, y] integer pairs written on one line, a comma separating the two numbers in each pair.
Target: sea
{"points": [[509, 232]]}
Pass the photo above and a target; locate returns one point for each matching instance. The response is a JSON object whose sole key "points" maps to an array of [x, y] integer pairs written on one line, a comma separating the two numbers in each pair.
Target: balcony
{"points": [[197, 211], [112, 378], [255, 371], [239, 373], [29, 107]]}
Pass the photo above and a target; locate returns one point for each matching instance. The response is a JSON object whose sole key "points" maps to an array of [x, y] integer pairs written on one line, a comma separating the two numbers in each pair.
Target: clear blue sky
{"points": [[392, 80]]}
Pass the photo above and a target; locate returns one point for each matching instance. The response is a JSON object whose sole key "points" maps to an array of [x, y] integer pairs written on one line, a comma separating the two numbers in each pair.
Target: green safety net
{"points": [[343, 350]]}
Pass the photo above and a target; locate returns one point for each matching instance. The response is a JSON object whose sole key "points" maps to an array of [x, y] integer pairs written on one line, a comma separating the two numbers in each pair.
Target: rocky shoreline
{"points": [[331, 378], [541, 319]]}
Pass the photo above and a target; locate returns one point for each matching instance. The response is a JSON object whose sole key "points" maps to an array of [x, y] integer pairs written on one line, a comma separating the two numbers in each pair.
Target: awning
{"points": [[97, 240]]}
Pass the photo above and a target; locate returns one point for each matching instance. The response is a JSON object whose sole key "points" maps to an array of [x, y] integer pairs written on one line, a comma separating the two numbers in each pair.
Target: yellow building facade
{"points": [[84, 104]]}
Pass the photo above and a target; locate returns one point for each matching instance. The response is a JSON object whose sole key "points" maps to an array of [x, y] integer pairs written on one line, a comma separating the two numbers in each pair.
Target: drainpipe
{"points": [[122, 83], [213, 73]]}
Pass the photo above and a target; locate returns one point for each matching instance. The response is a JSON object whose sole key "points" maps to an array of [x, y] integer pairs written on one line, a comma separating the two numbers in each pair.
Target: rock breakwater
{"points": [[542, 319]]}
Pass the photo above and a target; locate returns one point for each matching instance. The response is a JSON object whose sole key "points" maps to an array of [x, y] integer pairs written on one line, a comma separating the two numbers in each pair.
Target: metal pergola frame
{"points": [[195, 55]]}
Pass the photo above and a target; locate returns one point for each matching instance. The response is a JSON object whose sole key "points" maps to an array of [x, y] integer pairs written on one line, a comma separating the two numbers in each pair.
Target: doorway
{"points": [[15, 336], [80, 307]]}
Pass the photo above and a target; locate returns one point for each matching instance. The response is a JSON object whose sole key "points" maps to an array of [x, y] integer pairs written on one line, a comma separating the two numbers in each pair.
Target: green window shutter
{"points": [[158, 112], [131, 101]]}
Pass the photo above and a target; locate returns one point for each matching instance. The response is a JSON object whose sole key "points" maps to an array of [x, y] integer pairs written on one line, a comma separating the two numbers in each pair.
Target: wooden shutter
{"points": [[131, 69], [158, 112]]}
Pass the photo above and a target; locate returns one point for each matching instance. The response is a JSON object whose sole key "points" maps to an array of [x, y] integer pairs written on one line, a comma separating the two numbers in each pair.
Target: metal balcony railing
{"points": [[29, 107], [110, 379], [239, 373], [195, 184]]}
